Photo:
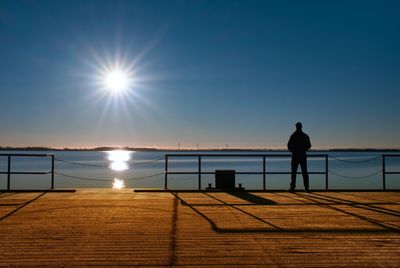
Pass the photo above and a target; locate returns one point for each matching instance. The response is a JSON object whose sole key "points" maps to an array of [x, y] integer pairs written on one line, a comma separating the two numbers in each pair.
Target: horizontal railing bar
{"points": [[9, 172], [261, 158], [241, 155], [288, 172], [239, 173], [27, 155], [26, 173], [188, 173]]}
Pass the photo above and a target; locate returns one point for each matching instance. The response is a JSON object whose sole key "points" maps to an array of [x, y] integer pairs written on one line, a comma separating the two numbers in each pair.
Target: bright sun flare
{"points": [[118, 184], [116, 81]]}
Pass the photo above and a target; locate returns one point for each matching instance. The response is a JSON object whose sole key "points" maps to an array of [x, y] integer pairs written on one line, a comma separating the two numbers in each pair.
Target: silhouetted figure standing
{"points": [[299, 143]]}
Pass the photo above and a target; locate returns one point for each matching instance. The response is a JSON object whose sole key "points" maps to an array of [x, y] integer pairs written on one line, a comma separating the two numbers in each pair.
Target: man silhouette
{"points": [[298, 144]]}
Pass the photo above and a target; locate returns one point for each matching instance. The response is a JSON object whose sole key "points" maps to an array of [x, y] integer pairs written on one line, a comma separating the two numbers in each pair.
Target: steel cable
{"points": [[80, 164], [146, 162], [106, 166], [355, 177], [92, 179], [355, 161]]}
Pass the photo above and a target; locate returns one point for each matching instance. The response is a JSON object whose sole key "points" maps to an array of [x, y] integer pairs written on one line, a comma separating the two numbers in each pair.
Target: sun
{"points": [[116, 81]]}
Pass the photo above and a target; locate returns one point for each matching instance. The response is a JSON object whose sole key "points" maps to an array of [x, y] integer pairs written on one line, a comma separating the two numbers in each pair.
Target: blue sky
{"points": [[206, 72]]}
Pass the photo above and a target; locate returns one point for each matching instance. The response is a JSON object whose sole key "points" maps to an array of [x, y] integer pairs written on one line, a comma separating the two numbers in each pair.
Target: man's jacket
{"points": [[299, 143]]}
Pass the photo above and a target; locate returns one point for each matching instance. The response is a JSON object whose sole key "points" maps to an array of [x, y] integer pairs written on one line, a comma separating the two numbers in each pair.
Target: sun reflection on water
{"points": [[119, 160], [119, 166], [118, 184]]}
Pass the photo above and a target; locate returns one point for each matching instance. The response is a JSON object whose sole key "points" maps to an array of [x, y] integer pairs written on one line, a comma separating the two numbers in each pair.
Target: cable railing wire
{"points": [[108, 180], [145, 177], [79, 177], [106, 166], [146, 162], [160, 159], [355, 177], [80, 164], [355, 161]]}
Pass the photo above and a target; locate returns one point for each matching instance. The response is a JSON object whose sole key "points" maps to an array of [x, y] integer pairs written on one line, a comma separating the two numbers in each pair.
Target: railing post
{"points": [[9, 172], [326, 174], [384, 172], [166, 173], [199, 172], [264, 179], [52, 172]]}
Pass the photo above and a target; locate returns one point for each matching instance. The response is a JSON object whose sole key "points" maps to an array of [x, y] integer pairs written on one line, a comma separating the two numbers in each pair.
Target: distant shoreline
{"points": [[145, 149]]}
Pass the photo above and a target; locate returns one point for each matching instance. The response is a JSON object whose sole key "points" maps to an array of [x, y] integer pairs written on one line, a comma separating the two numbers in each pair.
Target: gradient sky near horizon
{"points": [[206, 72]]}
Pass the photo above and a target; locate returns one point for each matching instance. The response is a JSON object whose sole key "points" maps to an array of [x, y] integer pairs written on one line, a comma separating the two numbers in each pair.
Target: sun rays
{"points": [[119, 86]]}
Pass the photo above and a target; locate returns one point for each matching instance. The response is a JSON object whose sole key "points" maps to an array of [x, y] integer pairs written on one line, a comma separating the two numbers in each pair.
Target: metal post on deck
{"points": [[264, 180], [52, 172], [166, 173], [9, 172], [383, 172], [326, 174], [199, 172]]}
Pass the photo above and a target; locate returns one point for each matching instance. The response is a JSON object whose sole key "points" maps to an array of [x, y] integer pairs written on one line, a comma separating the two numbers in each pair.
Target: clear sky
{"points": [[205, 72]]}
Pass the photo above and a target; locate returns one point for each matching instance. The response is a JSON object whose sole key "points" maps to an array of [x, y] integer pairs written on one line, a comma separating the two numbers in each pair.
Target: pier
{"points": [[217, 229]]}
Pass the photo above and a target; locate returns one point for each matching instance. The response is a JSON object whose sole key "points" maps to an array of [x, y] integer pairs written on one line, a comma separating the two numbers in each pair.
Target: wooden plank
{"points": [[109, 228]]}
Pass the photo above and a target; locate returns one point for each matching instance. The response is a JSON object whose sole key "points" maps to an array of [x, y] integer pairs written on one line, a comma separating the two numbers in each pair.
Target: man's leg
{"points": [[295, 165], [304, 171]]}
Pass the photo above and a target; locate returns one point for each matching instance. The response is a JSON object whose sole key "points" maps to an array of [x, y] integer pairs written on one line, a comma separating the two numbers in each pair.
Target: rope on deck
{"points": [[355, 161], [355, 177], [93, 179]]}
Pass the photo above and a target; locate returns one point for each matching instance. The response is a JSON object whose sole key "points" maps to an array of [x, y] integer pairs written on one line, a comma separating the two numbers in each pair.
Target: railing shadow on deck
{"points": [[4, 195], [366, 206], [20, 206], [252, 198], [376, 222], [383, 226], [352, 194]]}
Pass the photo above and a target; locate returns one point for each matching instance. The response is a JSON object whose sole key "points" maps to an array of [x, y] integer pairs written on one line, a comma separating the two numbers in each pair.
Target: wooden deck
{"points": [[116, 228]]}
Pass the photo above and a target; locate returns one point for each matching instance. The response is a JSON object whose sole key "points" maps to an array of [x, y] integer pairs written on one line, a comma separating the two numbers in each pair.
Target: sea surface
{"points": [[94, 169]]}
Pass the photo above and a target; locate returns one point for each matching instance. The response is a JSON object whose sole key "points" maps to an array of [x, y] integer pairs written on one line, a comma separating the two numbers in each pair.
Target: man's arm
{"points": [[290, 144], [308, 143]]}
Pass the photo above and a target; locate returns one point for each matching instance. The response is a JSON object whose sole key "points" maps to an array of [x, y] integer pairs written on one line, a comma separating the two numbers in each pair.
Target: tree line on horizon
{"points": [[110, 148]]}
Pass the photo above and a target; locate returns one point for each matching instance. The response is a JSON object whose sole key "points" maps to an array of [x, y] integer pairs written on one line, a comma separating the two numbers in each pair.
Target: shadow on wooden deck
{"points": [[310, 199], [19, 205]]}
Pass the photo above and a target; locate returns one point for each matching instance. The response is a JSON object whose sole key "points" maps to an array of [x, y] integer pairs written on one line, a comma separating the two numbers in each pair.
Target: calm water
{"points": [[131, 166]]}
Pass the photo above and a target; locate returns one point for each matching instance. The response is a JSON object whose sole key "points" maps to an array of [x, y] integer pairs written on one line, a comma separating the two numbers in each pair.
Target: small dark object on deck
{"points": [[225, 179]]}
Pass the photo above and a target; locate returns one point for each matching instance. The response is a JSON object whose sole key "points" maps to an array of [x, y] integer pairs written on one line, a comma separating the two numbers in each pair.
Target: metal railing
{"points": [[199, 158], [384, 172], [9, 172], [264, 173]]}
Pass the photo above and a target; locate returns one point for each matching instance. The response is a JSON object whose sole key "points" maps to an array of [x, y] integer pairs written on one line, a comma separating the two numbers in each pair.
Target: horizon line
{"points": [[177, 148]]}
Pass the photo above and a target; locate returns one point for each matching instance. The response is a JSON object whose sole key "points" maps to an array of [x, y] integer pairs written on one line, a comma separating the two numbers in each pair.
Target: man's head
{"points": [[299, 126]]}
